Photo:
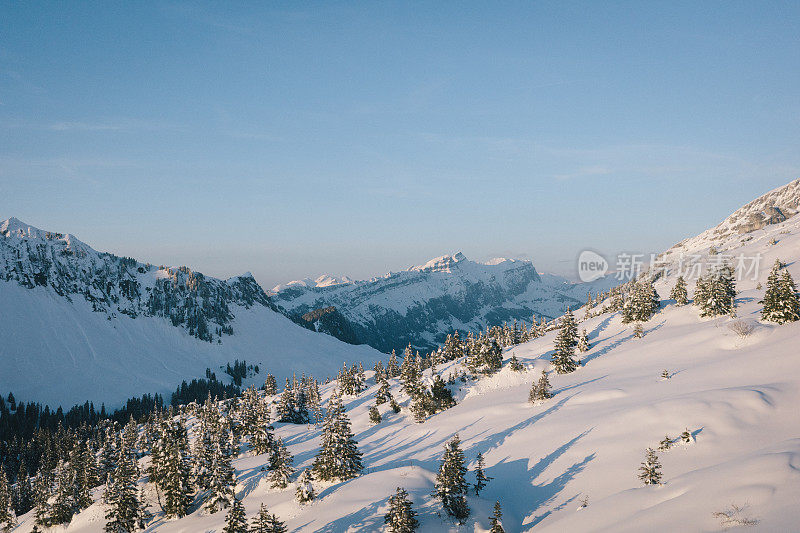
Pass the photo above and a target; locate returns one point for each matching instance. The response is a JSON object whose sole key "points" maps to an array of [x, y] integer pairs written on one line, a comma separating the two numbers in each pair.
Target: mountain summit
{"points": [[422, 304]]}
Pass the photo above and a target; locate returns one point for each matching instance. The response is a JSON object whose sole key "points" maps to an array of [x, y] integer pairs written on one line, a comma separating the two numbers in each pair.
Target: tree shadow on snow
{"points": [[521, 495]]}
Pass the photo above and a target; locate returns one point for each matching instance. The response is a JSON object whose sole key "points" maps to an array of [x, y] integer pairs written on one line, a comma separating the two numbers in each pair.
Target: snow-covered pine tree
{"points": [[63, 506], [650, 469], [496, 520], [540, 390], [686, 437], [392, 368], [715, 293], [441, 397], [261, 439], [451, 486], [394, 405], [270, 385], [375, 415], [409, 375], [221, 490], [339, 457], [126, 511], [235, 520], [780, 301], [453, 347], [665, 444], [23, 491], [679, 293], [401, 517], [305, 489], [564, 345], [481, 479], [286, 405], [583, 342], [638, 330], [280, 465], [383, 395], [173, 471], [81, 463], [264, 522], [514, 365], [41, 497], [7, 517]]}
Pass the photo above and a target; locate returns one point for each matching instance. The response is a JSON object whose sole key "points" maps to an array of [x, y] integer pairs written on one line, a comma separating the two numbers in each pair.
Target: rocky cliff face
{"points": [[120, 285]]}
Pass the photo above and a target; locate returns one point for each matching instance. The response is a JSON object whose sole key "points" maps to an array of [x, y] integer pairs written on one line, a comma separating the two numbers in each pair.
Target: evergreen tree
{"points": [[781, 303], [7, 517], [583, 342], [126, 509], [63, 506], [515, 365], [374, 415], [481, 479], [642, 302], [235, 520], [222, 480], [715, 293], [339, 457], [261, 439], [41, 496], [394, 405], [638, 330], [270, 385], [305, 489], [679, 293], [665, 444], [496, 520], [565, 343], [392, 369], [280, 466], [383, 395], [650, 469], [171, 469], [451, 486], [401, 517], [23, 495], [540, 390], [441, 397], [264, 522]]}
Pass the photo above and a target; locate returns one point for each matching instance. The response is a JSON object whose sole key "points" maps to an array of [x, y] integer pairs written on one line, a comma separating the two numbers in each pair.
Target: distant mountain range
{"points": [[78, 324], [422, 304]]}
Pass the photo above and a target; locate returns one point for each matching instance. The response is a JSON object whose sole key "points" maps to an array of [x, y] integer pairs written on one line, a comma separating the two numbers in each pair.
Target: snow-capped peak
{"points": [[14, 227], [440, 264]]}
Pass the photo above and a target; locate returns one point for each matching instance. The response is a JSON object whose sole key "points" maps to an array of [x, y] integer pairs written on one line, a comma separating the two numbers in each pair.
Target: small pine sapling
{"points": [[481, 479], [665, 444], [638, 330], [650, 471], [496, 520], [515, 365], [665, 374]]}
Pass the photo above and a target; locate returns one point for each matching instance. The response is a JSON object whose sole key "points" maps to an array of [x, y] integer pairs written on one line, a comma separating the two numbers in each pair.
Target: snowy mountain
{"points": [[422, 304], [77, 324], [571, 463]]}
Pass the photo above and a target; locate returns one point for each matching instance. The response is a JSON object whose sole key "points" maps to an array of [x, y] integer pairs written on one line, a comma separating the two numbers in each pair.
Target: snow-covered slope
{"points": [[737, 396], [422, 304], [77, 324]]}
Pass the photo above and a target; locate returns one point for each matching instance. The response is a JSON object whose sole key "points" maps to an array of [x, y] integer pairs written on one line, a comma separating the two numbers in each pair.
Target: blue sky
{"points": [[292, 139]]}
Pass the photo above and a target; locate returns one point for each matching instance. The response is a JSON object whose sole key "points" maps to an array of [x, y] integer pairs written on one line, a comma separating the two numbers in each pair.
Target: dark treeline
{"points": [[30, 432]]}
